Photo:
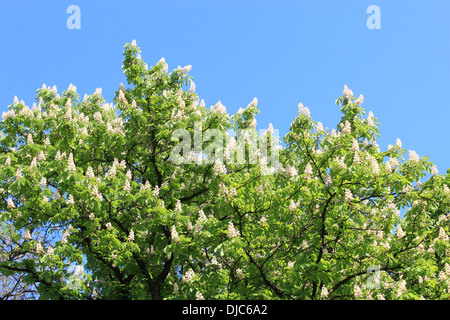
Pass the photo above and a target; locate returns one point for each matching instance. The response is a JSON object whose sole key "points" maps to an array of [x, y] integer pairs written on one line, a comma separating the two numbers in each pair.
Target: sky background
{"points": [[282, 52]]}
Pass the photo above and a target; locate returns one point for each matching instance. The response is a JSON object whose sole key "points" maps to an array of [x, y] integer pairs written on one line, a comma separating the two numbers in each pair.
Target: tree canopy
{"points": [[94, 204]]}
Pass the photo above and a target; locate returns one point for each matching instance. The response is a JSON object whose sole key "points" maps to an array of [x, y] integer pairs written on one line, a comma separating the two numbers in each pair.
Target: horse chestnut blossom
{"points": [[91, 183]]}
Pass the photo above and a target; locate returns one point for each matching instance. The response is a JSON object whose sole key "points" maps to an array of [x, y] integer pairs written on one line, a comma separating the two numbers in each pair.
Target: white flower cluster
{"points": [[442, 234], [346, 127], [413, 156], [308, 171], [188, 275], [341, 163], [324, 292], [400, 232], [90, 172], [293, 205], [374, 166], [199, 296], [10, 204], [219, 168], [348, 196], [347, 93], [127, 186], [232, 231], [434, 170], [360, 100], [303, 110], [131, 236], [219, 108], [174, 233], [70, 164], [8, 114], [291, 171]]}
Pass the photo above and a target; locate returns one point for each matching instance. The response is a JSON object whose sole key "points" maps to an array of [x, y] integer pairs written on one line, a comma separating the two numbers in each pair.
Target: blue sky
{"points": [[282, 52]]}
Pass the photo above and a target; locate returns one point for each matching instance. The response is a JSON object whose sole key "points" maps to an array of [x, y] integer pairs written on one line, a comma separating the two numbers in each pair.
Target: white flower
{"points": [[442, 234], [199, 296], [108, 226], [303, 110], [78, 270], [19, 173], [189, 275], [72, 88], [91, 216], [434, 170], [240, 274], [360, 100], [10, 204], [447, 269], [90, 172], [70, 199], [219, 108], [308, 171], [293, 206], [43, 182], [201, 216], [192, 87], [29, 139], [355, 146], [26, 235], [324, 293], [174, 233], [131, 236], [374, 165], [112, 171], [291, 171], [347, 93], [96, 193], [39, 248], [8, 114], [400, 233], [122, 98], [70, 164], [68, 114], [232, 231], [388, 166], [413, 156], [219, 167], [127, 186], [320, 127], [348, 197], [98, 117], [178, 206], [41, 156], [164, 64], [357, 291], [398, 143], [8, 161], [356, 158], [175, 288], [346, 128], [401, 288]]}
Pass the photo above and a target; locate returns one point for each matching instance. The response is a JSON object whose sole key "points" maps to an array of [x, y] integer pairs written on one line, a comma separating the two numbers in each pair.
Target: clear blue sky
{"points": [[282, 52]]}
